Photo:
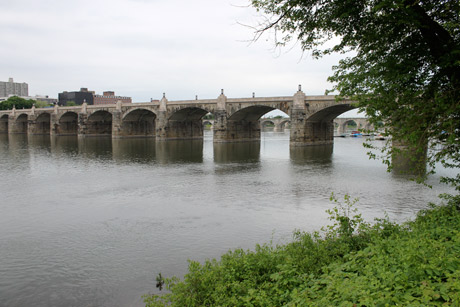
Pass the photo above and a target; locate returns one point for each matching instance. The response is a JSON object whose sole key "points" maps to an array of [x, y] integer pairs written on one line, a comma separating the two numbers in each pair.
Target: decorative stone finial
{"points": [[222, 91], [164, 95], [300, 87], [196, 97], [253, 95]]}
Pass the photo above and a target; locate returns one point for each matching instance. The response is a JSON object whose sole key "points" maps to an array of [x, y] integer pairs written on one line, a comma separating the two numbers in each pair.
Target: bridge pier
{"points": [[278, 128], [306, 131], [408, 159]]}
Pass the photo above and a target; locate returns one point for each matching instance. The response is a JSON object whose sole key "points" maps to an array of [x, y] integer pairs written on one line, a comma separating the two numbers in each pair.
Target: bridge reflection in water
{"points": [[147, 150]]}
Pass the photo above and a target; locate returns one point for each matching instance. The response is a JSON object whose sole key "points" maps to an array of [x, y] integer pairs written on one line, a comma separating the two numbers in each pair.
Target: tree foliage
{"points": [[17, 102], [402, 64]]}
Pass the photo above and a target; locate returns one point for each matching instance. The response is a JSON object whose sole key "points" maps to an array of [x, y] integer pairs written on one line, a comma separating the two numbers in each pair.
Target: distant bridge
{"points": [[281, 123], [236, 119]]}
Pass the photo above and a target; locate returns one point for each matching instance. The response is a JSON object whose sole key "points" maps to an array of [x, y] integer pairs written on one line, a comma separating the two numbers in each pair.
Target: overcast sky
{"points": [[142, 48]]}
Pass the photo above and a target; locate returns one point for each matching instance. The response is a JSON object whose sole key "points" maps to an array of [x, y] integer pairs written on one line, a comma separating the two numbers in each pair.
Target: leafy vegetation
{"points": [[17, 102], [403, 65], [349, 263], [70, 103], [42, 104]]}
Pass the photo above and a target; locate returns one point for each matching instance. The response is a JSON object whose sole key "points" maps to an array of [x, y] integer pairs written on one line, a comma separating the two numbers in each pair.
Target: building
{"points": [[77, 97], [109, 97], [90, 97], [11, 88]]}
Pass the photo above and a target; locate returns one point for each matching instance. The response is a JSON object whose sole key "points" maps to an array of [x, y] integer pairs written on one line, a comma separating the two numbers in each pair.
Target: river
{"points": [[92, 221]]}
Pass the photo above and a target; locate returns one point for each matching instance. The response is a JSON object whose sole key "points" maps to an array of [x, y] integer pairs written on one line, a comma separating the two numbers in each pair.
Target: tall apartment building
{"points": [[109, 97], [12, 88]]}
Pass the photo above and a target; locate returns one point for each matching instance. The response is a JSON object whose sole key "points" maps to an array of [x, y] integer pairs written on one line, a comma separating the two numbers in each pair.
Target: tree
{"points": [[402, 63], [17, 102]]}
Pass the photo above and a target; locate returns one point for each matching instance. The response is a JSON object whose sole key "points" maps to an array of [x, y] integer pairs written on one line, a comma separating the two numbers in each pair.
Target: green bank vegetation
{"points": [[349, 263]]}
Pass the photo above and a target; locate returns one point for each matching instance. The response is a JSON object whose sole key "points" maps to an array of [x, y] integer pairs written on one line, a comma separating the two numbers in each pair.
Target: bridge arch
{"points": [[4, 123], [317, 127], [42, 124], [264, 124], [208, 124], [138, 122], [67, 124], [245, 123], [283, 124], [20, 123], [188, 114], [99, 123], [184, 123]]}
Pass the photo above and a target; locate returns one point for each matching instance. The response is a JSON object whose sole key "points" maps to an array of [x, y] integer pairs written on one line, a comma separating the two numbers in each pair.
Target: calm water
{"points": [[91, 222]]}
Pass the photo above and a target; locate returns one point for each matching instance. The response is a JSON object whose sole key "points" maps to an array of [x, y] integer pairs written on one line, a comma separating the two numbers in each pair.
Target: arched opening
{"points": [[267, 124], [42, 124], [208, 124], [350, 126], [246, 124], [99, 123], [68, 124], [139, 122], [285, 124], [318, 128], [4, 123], [275, 120], [185, 123], [21, 124]]}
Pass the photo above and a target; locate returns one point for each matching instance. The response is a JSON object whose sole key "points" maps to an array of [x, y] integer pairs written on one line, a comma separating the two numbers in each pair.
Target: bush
{"points": [[350, 263]]}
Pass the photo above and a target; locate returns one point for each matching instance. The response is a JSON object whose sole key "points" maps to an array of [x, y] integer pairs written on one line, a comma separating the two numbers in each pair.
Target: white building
{"points": [[12, 88]]}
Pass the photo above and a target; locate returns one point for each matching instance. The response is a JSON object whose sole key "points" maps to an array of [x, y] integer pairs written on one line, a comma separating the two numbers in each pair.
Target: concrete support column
{"points": [[304, 131], [220, 128], [117, 121], [278, 127], [340, 129], [83, 120], [32, 122], [409, 159], [298, 119], [54, 122], [161, 121]]}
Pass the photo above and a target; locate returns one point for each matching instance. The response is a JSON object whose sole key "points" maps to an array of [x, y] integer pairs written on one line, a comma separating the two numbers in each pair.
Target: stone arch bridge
{"points": [[361, 124], [236, 119]]}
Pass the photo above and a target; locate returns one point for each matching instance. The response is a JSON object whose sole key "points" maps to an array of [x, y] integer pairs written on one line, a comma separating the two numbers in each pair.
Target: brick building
{"points": [[109, 97]]}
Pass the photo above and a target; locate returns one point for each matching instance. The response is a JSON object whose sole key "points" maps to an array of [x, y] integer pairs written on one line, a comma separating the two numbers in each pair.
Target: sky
{"points": [[144, 48]]}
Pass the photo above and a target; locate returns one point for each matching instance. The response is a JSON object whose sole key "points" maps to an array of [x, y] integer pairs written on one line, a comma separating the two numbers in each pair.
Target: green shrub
{"points": [[350, 263]]}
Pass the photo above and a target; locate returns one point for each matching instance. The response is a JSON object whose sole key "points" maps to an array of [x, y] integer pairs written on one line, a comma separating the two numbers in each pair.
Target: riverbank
{"points": [[350, 263]]}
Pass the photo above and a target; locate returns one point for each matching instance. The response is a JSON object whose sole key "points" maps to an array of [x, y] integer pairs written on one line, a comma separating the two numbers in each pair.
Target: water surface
{"points": [[92, 221]]}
